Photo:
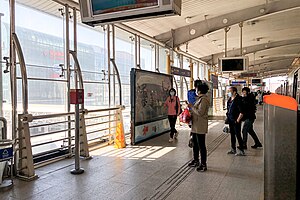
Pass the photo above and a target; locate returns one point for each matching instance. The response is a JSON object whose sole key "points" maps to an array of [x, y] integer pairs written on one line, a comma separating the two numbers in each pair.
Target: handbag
{"points": [[185, 116], [176, 107], [226, 120], [191, 143], [226, 129]]}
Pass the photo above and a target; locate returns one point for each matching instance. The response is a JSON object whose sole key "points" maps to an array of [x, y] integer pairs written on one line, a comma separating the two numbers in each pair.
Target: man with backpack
{"points": [[248, 111]]}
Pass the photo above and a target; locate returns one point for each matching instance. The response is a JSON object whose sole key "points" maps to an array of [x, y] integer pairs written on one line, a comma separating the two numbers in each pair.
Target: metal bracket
{"points": [[7, 64]]}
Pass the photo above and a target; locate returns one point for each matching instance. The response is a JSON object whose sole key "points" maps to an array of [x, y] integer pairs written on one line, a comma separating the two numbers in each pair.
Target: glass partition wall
{"points": [[44, 48]]}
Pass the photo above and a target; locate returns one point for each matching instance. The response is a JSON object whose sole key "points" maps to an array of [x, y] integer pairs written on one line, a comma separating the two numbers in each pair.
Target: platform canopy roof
{"points": [[270, 33]]}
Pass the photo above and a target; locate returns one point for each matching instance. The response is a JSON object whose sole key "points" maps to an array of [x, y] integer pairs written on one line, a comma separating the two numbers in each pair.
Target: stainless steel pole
{"points": [[241, 41], [13, 79], [157, 57], [226, 31], [136, 51], [1, 79], [181, 77], [77, 169], [68, 73], [139, 52], [113, 57], [75, 48], [108, 64]]}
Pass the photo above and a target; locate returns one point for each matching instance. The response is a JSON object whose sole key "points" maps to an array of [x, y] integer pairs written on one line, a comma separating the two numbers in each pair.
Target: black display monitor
{"points": [[256, 81], [97, 12], [233, 64]]}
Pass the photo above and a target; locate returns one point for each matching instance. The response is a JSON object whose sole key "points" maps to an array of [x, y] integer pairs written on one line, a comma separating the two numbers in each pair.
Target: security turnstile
{"points": [[280, 148]]}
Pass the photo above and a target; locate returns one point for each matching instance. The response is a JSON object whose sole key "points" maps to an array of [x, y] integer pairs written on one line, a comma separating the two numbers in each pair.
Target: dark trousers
{"points": [[248, 128], [235, 132], [199, 145], [172, 121]]}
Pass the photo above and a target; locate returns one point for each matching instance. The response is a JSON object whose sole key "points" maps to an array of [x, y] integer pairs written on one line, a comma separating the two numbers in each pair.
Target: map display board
{"points": [[149, 91]]}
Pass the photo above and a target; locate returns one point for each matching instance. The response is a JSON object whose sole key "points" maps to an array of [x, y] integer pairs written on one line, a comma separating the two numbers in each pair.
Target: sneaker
{"points": [[232, 151], [240, 153], [256, 145], [194, 163], [202, 168], [176, 135], [171, 140]]}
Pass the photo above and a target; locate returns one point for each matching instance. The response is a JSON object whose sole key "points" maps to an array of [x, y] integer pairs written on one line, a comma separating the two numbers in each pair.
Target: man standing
{"points": [[234, 117], [248, 111]]}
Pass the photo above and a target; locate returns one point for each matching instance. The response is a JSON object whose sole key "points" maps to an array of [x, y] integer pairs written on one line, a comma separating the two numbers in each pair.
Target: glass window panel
{"points": [[162, 59], [147, 55]]}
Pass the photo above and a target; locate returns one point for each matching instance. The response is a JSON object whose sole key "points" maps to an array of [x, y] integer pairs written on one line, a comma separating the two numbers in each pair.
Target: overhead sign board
{"points": [[180, 72], [238, 82], [244, 75]]}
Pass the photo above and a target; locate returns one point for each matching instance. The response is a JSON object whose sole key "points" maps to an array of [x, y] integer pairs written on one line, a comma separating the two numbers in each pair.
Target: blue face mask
{"points": [[229, 94]]}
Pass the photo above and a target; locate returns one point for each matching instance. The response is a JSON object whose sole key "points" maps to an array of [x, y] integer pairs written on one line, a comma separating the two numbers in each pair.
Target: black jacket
{"points": [[234, 108], [248, 107]]}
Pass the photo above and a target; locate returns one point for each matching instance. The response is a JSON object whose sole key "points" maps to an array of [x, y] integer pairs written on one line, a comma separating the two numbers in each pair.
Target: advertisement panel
{"points": [[149, 90]]}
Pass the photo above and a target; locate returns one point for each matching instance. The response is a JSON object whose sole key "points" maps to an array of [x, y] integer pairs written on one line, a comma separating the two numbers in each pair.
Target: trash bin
{"points": [[6, 158]]}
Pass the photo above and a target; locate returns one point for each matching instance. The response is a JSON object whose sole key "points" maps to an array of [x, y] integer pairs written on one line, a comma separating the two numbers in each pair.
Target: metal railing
{"points": [[48, 134]]}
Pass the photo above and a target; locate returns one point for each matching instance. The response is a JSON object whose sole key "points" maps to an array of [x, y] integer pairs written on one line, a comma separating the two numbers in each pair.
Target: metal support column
{"points": [[241, 41], [192, 74], [67, 43], [109, 78], [113, 57], [1, 79], [198, 69], [13, 77], [168, 63], [226, 29], [77, 169], [157, 58], [181, 77]]}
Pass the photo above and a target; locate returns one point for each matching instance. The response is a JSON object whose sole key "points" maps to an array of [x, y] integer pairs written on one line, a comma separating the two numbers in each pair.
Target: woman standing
{"points": [[200, 127], [173, 104]]}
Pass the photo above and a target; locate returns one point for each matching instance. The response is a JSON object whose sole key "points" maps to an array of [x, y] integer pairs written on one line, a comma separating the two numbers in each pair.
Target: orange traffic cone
{"points": [[120, 138]]}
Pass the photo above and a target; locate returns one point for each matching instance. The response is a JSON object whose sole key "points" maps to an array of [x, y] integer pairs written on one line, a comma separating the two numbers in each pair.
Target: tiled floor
{"points": [[154, 169]]}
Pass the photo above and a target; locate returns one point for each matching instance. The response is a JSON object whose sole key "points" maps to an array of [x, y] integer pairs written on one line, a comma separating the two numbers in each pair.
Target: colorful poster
{"points": [[110, 6], [149, 91], [145, 131]]}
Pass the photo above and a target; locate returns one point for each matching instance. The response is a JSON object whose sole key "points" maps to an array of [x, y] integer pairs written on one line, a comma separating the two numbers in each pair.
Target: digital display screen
{"points": [[232, 64], [110, 6], [256, 81]]}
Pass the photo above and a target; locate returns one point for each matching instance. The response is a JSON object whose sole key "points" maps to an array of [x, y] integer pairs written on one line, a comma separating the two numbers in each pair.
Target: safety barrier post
{"points": [[84, 149], [120, 136], [77, 97], [25, 167]]}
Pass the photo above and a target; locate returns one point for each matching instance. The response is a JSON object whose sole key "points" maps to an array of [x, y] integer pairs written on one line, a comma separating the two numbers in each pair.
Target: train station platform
{"points": [[155, 169]]}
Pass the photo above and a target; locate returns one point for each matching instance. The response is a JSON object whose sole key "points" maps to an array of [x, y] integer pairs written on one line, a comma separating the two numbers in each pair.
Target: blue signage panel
{"points": [[6, 153], [238, 82]]}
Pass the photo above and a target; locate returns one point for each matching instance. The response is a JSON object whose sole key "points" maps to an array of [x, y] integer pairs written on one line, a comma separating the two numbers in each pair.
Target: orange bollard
{"points": [[120, 137]]}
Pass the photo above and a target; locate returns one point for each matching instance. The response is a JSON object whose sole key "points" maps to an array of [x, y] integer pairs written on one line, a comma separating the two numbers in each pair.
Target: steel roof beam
{"points": [[179, 36], [270, 60], [71, 3], [251, 49], [282, 64]]}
